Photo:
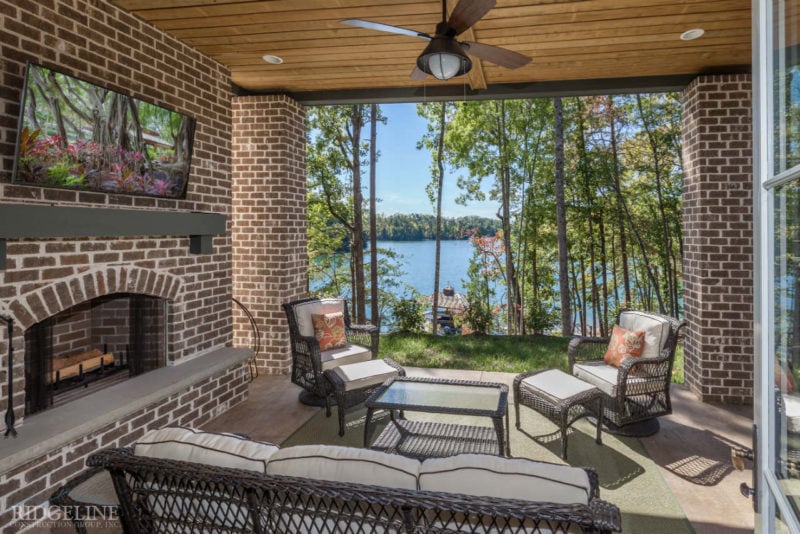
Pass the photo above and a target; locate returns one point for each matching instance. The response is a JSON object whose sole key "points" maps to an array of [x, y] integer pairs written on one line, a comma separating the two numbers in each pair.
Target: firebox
{"points": [[91, 346]]}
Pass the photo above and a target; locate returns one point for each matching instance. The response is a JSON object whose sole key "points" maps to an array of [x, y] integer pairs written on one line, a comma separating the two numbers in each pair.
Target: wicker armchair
{"points": [[308, 362], [637, 391]]}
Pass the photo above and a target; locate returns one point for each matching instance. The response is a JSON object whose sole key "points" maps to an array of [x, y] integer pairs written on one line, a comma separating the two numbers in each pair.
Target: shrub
{"points": [[409, 315], [479, 317]]}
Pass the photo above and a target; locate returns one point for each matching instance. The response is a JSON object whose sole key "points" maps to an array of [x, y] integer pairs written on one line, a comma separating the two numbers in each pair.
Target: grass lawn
{"points": [[507, 354]]}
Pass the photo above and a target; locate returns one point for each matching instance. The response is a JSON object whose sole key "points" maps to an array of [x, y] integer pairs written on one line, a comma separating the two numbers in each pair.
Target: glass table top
{"points": [[438, 395]]}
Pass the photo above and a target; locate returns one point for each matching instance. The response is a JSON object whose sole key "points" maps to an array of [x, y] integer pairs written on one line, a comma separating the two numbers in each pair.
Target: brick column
{"points": [[268, 220], [718, 237]]}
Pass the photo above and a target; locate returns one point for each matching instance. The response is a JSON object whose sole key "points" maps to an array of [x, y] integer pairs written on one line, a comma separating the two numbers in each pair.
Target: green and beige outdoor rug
{"points": [[628, 477]]}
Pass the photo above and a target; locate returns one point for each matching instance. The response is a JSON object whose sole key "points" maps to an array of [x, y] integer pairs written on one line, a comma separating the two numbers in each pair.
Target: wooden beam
{"points": [[653, 84]]}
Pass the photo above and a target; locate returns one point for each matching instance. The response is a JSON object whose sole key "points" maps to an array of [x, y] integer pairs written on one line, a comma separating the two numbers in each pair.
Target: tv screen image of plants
{"points": [[78, 135]]}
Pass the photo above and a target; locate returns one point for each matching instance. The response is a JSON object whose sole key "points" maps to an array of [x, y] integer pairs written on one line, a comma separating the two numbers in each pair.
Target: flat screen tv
{"points": [[78, 135]]}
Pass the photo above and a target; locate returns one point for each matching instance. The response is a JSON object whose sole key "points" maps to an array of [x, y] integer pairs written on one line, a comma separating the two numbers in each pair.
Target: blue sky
{"points": [[403, 171]]}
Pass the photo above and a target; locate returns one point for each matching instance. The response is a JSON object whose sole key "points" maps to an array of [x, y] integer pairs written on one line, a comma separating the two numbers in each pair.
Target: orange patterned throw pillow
{"points": [[624, 344], [329, 330]]}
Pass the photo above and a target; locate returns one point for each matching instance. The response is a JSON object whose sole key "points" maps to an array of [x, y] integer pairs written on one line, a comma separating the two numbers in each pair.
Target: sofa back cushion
{"points": [[345, 464], [304, 311], [191, 445], [656, 330], [506, 478]]}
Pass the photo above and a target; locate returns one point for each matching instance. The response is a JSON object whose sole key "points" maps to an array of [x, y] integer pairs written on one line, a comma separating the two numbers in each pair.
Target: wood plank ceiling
{"points": [[567, 39]]}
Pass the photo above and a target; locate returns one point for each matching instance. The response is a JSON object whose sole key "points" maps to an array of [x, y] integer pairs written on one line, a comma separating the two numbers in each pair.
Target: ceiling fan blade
{"points": [[358, 23], [468, 12], [494, 54], [418, 74]]}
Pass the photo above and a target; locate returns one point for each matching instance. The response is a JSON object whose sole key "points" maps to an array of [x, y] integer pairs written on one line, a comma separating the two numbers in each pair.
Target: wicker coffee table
{"points": [[424, 439]]}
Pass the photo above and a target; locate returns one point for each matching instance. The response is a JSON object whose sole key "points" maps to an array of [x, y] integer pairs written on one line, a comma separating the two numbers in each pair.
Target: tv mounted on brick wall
{"points": [[77, 135]]}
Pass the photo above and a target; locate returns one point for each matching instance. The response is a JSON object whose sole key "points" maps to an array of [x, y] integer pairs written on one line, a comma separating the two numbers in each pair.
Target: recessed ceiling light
{"points": [[692, 34], [269, 58]]}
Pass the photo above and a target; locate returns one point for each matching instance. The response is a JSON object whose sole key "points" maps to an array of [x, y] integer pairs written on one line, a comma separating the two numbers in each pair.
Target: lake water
{"points": [[418, 263]]}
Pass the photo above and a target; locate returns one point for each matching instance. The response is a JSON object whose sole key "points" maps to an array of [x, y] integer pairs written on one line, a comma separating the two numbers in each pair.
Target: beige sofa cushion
{"points": [[190, 445], [345, 464], [303, 312], [508, 478], [656, 330]]}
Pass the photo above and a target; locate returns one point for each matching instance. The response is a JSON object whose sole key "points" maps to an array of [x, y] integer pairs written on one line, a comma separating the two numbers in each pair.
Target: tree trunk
{"points": [[505, 180], [561, 219], [373, 240], [439, 188], [623, 241], [357, 240], [587, 187], [667, 243], [55, 107], [604, 275]]}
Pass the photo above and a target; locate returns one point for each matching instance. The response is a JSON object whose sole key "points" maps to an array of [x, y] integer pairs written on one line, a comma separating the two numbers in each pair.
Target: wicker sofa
{"points": [[183, 480]]}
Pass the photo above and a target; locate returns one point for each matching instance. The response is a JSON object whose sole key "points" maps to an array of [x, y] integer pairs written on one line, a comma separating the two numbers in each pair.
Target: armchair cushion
{"points": [[329, 330], [303, 312], [604, 376], [190, 445], [344, 355], [494, 476], [624, 344], [656, 330], [600, 374]]}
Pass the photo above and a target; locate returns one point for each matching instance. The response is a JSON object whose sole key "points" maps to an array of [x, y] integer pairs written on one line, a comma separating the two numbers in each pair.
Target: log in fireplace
{"points": [[91, 346]]}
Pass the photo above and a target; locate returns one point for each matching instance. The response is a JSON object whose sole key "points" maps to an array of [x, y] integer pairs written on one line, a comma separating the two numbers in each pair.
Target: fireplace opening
{"points": [[91, 346]]}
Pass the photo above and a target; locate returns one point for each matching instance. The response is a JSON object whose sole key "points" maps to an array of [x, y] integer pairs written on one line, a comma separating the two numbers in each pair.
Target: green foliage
{"points": [[623, 186], [480, 316], [409, 315], [418, 227]]}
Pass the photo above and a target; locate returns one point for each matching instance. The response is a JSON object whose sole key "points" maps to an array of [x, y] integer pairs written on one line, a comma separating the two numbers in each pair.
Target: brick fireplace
{"points": [[91, 346]]}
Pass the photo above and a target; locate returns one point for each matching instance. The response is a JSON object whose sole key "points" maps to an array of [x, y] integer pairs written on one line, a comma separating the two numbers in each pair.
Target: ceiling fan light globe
{"points": [[443, 58], [444, 66]]}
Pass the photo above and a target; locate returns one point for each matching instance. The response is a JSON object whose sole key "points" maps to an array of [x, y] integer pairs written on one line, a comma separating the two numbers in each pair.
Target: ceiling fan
{"points": [[445, 57]]}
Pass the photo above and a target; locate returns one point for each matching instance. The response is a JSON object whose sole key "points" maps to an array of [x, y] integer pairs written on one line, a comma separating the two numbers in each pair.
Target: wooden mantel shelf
{"points": [[24, 221]]}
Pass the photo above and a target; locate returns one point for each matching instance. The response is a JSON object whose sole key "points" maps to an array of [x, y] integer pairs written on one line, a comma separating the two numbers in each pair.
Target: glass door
{"points": [[776, 84]]}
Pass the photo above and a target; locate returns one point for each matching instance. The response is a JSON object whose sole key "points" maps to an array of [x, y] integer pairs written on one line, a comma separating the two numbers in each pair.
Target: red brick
{"points": [[717, 218]]}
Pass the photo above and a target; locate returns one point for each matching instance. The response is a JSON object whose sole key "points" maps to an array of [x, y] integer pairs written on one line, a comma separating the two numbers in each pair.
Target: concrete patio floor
{"points": [[692, 449]]}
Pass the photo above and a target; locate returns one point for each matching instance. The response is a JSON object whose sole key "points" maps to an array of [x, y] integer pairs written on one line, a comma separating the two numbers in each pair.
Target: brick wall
{"points": [[718, 241], [269, 219], [98, 42], [111, 324], [34, 481], [72, 332]]}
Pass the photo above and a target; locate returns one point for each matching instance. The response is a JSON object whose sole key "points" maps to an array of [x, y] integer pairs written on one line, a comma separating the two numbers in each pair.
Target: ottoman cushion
{"points": [[364, 374], [555, 386]]}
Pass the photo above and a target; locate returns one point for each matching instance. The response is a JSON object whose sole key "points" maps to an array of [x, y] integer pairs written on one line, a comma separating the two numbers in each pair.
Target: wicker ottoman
{"points": [[560, 397], [354, 382]]}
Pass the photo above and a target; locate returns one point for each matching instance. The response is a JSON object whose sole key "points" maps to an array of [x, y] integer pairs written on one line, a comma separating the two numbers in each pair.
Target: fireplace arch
{"points": [[49, 300]]}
